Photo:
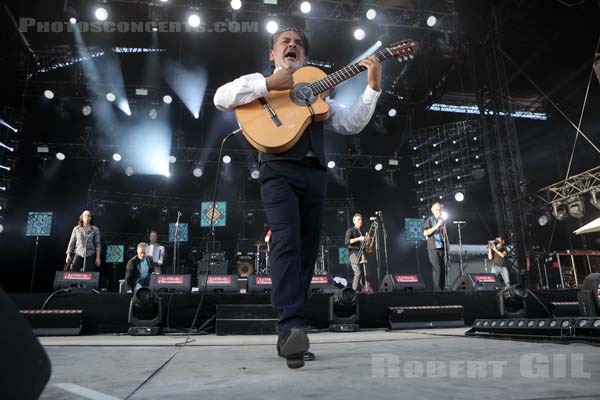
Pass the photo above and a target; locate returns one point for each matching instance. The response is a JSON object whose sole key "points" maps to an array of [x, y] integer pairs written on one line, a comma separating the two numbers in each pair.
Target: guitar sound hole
{"points": [[301, 93]]}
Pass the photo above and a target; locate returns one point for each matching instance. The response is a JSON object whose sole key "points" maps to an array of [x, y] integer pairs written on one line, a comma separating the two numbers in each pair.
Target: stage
{"points": [[108, 312], [439, 363]]}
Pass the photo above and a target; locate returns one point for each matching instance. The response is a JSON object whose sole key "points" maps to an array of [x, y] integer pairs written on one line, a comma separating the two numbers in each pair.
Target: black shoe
{"points": [[308, 355], [293, 347]]}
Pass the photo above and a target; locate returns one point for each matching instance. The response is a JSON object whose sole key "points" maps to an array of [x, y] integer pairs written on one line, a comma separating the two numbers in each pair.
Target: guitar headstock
{"points": [[404, 48]]}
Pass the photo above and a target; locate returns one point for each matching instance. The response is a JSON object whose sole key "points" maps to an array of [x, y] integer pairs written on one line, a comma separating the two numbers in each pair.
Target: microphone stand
{"points": [[446, 253], [176, 243], [385, 246], [216, 187], [460, 253]]}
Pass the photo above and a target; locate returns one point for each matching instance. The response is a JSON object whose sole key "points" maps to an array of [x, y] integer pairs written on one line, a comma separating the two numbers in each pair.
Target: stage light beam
{"points": [[49, 94], [272, 26], [236, 4], [305, 7], [194, 20], [371, 14], [431, 21]]}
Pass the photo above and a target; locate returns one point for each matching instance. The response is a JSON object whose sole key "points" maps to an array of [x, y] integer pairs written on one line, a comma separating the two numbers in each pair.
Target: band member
{"points": [[293, 183], [354, 239], [139, 268], [435, 232], [85, 243], [155, 250], [497, 255]]}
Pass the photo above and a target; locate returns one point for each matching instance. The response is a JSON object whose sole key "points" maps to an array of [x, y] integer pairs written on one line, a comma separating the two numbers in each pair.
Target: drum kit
{"points": [[256, 261]]}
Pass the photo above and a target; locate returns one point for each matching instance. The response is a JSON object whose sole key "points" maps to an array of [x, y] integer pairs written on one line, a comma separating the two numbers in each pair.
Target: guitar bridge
{"points": [[270, 110]]}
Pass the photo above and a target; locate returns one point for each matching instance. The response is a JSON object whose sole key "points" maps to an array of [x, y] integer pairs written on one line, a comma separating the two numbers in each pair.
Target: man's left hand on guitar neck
{"points": [[373, 66]]}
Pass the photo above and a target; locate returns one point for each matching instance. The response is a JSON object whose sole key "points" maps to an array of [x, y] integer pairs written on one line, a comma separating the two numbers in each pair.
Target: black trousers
{"points": [[293, 195], [438, 265], [90, 262]]}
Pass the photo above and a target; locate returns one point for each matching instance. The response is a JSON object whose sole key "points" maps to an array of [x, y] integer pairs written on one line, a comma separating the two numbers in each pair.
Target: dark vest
{"points": [[312, 139]]}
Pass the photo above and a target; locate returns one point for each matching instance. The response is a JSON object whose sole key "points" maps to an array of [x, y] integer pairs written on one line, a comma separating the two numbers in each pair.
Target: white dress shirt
{"points": [[347, 121]]}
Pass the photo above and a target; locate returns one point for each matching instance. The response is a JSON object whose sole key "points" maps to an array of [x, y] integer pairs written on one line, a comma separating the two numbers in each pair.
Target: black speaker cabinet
{"points": [[401, 283]]}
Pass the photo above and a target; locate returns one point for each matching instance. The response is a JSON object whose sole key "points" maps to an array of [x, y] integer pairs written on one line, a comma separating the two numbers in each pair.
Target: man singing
{"points": [[435, 232], [293, 183], [497, 254]]}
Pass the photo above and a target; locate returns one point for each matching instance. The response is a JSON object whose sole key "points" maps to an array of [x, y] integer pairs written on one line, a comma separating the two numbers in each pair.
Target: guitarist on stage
{"points": [[293, 183]]}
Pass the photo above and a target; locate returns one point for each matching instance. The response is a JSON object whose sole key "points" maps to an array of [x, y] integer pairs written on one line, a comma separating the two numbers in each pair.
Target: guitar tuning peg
{"points": [[406, 58], [400, 59], [411, 56]]}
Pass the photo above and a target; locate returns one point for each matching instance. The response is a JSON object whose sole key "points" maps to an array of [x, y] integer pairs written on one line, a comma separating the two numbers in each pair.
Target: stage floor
{"points": [[427, 364]]}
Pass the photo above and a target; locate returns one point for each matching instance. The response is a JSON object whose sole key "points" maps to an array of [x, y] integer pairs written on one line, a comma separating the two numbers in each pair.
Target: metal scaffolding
{"points": [[500, 140]]}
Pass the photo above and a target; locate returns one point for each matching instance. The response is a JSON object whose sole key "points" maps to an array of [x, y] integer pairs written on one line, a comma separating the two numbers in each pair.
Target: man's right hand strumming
{"points": [[280, 80]]}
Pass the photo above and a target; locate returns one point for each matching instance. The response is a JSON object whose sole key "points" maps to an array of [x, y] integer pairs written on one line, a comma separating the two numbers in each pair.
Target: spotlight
{"points": [[392, 112], [117, 157], [134, 212], [86, 110], [60, 156], [431, 20], [49, 94], [226, 159], [145, 313], [378, 167], [594, 200], [343, 311], [371, 14], [152, 113], [164, 214], [577, 208], [110, 97], [272, 27], [236, 4], [167, 99], [197, 172], [331, 164], [543, 219], [359, 34], [172, 159], [129, 171], [72, 20], [511, 301], [559, 211], [194, 20], [305, 7], [99, 210], [250, 219], [195, 217], [459, 196], [101, 13]]}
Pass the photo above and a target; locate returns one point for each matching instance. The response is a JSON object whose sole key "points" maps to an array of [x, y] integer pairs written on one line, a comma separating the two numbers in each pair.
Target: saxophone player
{"points": [[354, 239]]}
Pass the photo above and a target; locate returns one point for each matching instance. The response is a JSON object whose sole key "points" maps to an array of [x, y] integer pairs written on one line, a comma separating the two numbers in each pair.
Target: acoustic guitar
{"points": [[274, 123]]}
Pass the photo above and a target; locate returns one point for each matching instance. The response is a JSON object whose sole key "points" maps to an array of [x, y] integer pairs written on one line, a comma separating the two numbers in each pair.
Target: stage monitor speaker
{"points": [[477, 281], [401, 283], [416, 317], [70, 280], [259, 284], [171, 283], [322, 284], [218, 267], [218, 284], [26, 366]]}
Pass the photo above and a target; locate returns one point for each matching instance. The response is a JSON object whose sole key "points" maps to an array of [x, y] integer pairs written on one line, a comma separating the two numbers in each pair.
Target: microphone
{"points": [[372, 218]]}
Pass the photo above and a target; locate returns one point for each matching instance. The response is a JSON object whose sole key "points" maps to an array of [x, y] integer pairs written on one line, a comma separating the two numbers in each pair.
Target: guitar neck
{"points": [[345, 73]]}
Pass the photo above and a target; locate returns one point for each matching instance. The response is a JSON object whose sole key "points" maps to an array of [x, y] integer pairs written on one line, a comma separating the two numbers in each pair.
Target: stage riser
{"points": [[106, 313]]}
